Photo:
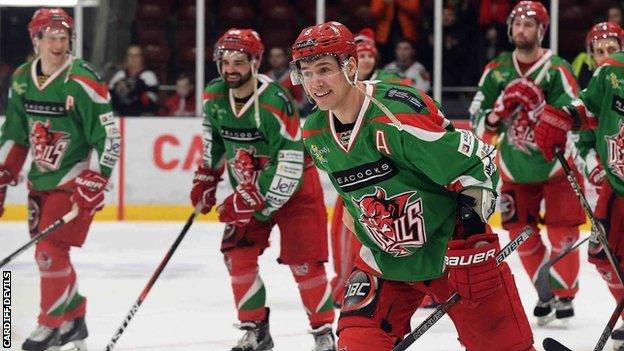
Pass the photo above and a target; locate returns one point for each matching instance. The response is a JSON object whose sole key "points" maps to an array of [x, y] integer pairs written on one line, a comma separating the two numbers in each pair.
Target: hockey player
{"points": [[509, 85], [252, 129], [59, 110], [404, 175], [343, 242], [601, 109], [602, 40]]}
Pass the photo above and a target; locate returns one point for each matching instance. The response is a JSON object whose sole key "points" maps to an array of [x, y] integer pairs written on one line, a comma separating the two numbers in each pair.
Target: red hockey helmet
{"points": [[603, 30], [365, 41], [243, 40], [529, 9], [50, 19], [329, 38]]}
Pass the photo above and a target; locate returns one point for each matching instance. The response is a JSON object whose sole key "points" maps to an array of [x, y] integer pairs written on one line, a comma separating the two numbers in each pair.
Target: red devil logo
{"points": [[48, 146], [395, 223], [247, 165], [615, 152]]}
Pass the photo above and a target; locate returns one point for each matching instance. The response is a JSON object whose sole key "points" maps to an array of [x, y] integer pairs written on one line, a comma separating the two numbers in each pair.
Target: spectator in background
{"points": [[392, 15], [280, 73], [405, 64], [182, 102], [278, 62], [134, 89], [614, 15]]}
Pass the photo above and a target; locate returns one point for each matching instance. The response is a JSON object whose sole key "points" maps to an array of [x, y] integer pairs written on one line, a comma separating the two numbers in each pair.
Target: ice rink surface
{"points": [[191, 306]]}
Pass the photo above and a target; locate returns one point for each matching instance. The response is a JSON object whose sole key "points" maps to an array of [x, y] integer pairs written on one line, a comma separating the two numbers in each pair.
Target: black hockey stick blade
{"points": [[551, 344]]}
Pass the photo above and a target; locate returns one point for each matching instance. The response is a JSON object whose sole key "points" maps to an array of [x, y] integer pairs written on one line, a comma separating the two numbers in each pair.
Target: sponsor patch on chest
{"points": [[365, 175], [241, 134]]}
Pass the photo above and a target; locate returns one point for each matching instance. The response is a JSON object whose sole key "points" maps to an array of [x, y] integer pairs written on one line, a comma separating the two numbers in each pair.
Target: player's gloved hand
{"points": [[520, 92], [6, 179], [597, 177], [551, 131], [473, 271], [89, 191], [239, 207], [205, 187]]}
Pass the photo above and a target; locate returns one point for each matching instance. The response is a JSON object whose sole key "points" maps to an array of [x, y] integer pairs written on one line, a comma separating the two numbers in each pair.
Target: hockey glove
{"points": [[89, 192], [551, 131], [473, 271], [239, 207], [6, 179], [521, 92], [597, 177], [205, 187]]}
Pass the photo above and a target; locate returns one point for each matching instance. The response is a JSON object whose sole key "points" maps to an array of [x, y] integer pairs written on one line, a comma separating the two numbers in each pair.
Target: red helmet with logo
{"points": [[365, 41], [603, 30], [529, 9], [243, 40], [50, 19], [330, 38]]}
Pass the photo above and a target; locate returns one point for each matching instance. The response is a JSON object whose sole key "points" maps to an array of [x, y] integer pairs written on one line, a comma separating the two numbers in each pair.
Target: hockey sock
{"points": [[564, 273], [248, 288], [610, 276], [315, 292], [59, 292], [532, 252]]}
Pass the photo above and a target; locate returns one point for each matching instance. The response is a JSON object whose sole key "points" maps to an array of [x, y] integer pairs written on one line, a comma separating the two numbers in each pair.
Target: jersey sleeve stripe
{"points": [[97, 91], [290, 124]]}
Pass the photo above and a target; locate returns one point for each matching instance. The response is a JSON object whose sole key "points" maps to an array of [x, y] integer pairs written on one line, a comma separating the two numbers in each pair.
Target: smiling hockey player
{"points": [[412, 183], [252, 128], [59, 109]]}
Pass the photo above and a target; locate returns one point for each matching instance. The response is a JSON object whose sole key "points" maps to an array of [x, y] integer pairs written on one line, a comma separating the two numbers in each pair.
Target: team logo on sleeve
{"points": [[395, 223], [48, 146], [247, 165], [615, 152]]}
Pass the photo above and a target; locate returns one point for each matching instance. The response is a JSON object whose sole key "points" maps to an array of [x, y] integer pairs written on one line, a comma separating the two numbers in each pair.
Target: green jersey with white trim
{"points": [[269, 155], [519, 159], [400, 182], [62, 121]]}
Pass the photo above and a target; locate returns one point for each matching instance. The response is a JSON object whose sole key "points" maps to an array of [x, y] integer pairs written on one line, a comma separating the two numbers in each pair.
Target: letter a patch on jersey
{"points": [[380, 141]]}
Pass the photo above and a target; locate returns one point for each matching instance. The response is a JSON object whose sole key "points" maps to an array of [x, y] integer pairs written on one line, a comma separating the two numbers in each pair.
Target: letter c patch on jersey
{"points": [[380, 141], [361, 294]]}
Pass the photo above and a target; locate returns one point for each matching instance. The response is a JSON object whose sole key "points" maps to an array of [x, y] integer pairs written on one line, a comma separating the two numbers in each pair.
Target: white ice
{"points": [[191, 306]]}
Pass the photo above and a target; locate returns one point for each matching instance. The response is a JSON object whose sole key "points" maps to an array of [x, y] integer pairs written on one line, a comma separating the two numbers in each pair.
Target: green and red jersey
{"points": [[62, 121], [519, 159], [269, 155], [399, 181]]}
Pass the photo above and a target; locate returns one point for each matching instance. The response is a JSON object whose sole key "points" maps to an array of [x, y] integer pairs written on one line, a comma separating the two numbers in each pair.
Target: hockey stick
{"points": [[542, 282], [444, 307], [600, 234], [148, 287], [597, 228], [551, 344], [47, 231]]}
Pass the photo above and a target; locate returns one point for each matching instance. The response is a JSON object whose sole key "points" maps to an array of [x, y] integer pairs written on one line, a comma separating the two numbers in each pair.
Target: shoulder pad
{"points": [[84, 68]]}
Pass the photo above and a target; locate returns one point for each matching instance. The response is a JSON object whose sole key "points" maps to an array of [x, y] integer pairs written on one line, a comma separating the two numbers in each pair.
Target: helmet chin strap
{"points": [[255, 97], [377, 103]]}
